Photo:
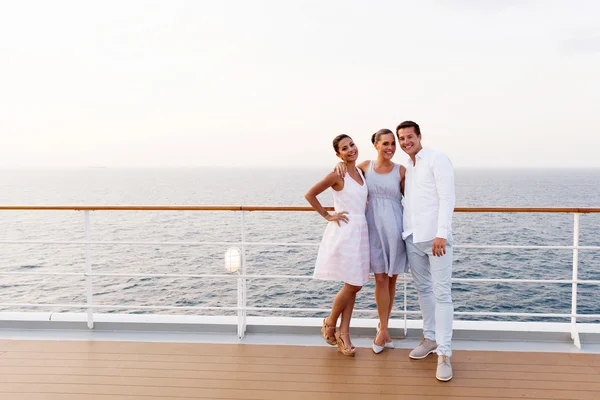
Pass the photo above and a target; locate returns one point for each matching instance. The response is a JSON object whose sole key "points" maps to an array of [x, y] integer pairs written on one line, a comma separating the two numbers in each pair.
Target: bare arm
{"points": [[341, 169], [363, 166], [402, 176], [330, 181]]}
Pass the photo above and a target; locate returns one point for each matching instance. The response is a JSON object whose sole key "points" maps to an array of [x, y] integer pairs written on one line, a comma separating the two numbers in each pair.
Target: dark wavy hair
{"points": [[337, 140]]}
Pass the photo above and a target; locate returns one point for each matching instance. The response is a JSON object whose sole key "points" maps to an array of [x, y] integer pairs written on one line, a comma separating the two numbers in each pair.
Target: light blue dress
{"points": [[384, 218]]}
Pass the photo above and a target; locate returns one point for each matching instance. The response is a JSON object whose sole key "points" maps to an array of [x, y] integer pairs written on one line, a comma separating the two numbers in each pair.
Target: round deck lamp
{"points": [[233, 259]]}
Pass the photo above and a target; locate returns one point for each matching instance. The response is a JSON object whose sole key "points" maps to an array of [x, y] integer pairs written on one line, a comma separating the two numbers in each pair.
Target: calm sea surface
{"points": [[204, 186]]}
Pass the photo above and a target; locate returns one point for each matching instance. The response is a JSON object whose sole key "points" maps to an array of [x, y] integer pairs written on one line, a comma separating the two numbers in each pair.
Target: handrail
{"points": [[242, 275], [577, 210]]}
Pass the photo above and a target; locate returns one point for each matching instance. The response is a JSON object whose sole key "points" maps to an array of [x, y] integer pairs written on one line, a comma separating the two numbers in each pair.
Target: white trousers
{"points": [[432, 277]]}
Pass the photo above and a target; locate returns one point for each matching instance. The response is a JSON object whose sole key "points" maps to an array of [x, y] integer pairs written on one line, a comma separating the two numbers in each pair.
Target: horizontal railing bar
{"points": [[502, 280], [96, 306], [515, 280], [301, 277], [81, 242], [510, 246], [579, 210], [224, 308], [126, 307], [396, 312], [513, 314], [540, 315], [232, 276], [284, 244], [82, 274], [104, 242], [461, 246]]}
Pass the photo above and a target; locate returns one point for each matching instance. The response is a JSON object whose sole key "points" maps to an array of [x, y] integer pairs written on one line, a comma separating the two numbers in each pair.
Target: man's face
{"points": [[409, 141]]}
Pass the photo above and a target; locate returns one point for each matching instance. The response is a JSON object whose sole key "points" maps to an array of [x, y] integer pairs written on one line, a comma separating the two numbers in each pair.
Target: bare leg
{"points": [[382, 298], [347, 313], [346, 296], [392, 288]]}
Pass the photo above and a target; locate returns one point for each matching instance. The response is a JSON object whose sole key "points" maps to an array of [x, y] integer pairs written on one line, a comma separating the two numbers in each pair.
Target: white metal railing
{"points": [[242, 276]]}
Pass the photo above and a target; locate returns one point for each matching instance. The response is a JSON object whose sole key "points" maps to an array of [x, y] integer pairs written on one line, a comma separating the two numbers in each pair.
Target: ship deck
{"points": [[98, 370]]}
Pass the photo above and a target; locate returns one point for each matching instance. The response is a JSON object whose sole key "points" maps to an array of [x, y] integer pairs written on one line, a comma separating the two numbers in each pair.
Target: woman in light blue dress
{"points": [[388, 258]]}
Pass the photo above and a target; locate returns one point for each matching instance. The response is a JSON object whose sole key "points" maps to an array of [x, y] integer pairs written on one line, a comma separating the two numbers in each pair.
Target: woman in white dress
{"points": [[344, 251]]}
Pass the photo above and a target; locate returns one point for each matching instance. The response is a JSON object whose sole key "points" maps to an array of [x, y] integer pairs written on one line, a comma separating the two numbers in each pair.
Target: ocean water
{"points": [[206, 186]]}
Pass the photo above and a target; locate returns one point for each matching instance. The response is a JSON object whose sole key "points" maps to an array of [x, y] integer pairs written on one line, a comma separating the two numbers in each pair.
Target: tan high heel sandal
{"points": [[341, 345], [331, 340]]}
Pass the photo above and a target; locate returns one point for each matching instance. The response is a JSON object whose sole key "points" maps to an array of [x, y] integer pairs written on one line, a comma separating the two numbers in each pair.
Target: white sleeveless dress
{"points": [[344, 250]]}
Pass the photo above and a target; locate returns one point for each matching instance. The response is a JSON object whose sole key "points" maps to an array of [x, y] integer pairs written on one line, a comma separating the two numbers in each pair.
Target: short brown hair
{"points": [[409, 124]]}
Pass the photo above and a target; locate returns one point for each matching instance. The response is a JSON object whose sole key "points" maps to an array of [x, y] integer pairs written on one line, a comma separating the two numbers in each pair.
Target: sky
{"points": [[124, 83]]}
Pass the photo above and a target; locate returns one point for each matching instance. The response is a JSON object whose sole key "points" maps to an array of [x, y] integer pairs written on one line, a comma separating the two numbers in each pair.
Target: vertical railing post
{"points": [[242, 295], [574, 332], [405, 307], [244, 280], [88, 271]]}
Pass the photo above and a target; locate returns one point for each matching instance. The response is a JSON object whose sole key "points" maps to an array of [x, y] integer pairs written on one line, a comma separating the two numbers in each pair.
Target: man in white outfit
{"points": [[429, 201]]}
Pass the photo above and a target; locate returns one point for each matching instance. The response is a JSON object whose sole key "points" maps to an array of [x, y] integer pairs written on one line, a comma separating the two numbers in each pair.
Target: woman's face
{"points": [[386, 146], [347, 150]]}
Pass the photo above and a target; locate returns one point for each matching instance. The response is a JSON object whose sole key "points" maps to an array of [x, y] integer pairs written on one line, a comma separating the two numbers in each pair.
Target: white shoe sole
{"points": [[425, 356], [443, 380]]}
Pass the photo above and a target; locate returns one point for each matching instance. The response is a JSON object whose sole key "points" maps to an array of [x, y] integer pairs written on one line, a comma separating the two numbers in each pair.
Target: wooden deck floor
{"points": [[66, 370]]}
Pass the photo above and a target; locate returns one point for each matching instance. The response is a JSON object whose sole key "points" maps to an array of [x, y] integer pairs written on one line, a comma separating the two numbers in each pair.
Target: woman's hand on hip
{"points": [[337, 217]]}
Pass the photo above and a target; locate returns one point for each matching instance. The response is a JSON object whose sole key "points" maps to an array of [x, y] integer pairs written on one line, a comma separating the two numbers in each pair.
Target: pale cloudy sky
{"points": [[270, 83]]}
